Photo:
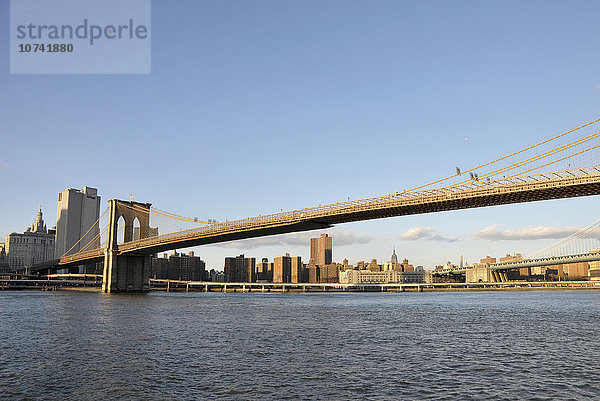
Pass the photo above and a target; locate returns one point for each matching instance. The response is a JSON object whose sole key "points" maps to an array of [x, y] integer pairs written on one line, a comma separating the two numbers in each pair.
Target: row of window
{"points": [[26, 240]]}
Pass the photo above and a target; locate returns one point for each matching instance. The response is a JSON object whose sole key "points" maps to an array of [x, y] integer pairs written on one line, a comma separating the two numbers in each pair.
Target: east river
{"points": [[531, 345]]}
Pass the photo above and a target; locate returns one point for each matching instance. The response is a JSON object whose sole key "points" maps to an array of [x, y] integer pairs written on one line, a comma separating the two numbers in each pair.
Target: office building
{"points": [[414, 275], [594, 268], [3, 259], [368, 277], [524, 272], [240, 269], [576, 271], [373, 266], [264, 271], [76, 217], [35, 245], [160, 267], [297, 270], [329, 273], [311, 273], [178, 267], [289, 269], [321, 250], [488, 260], [215, 276], [282, 269], [406, 267]]}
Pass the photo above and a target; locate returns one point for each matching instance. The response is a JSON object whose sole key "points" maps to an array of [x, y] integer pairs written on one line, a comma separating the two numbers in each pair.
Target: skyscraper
{"points": [[76, 213], [321, 250], [297, 270]]}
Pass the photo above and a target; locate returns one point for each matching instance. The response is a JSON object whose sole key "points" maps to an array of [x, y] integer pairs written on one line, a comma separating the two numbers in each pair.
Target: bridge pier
{"points": [[126, 273]]}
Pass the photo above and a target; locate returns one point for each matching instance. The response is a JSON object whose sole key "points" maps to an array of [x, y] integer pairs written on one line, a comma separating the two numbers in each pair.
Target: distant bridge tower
{"points": [[131, 272]]}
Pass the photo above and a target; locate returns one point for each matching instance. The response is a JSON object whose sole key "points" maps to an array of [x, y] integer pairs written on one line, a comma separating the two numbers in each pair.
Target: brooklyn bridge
{"points": [[565, 165]]}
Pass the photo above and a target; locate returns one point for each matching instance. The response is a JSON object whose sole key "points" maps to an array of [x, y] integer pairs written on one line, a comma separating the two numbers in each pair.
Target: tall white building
{"points": [[35, 245], [77, 211]]}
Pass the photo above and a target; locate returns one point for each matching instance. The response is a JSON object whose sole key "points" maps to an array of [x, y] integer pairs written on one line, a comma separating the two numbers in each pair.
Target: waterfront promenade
{"points": [[71, 281]]}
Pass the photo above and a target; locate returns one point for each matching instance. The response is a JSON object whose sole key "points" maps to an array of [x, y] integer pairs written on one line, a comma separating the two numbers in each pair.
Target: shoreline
{"points": [[281, 288]]}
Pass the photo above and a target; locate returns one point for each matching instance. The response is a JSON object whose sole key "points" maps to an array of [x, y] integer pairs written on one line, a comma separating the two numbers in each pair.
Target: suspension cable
{"points": [[86, 233], [506, 157]]}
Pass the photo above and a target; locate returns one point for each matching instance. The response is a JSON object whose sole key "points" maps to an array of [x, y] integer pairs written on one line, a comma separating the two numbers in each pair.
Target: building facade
{"points": [[77, 211], [368, 277], [417, 275], [311, 273], [297, 270], [264, 271], [178, 267], [282, 269], [3, 259], [329, 273], [240, 269], [35, 245], [321, 250], [576, 271]]}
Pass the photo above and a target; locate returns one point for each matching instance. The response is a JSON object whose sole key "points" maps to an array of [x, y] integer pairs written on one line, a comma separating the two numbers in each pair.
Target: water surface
{"points": [[536, 345]]}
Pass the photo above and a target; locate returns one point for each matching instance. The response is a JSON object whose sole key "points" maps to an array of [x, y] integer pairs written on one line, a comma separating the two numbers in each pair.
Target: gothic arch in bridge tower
{"points": [[129, 211]]}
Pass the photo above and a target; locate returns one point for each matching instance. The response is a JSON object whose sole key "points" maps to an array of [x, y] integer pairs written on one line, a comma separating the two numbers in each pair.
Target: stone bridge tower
{"points": [[130, 272]]}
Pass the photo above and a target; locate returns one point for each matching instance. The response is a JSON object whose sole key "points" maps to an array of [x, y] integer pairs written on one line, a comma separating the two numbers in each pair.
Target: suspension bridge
{"points": [[562, 166], [581, 246]]}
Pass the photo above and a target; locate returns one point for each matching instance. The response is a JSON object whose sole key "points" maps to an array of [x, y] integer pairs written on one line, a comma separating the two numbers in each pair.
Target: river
{"points": [[506, 345]]}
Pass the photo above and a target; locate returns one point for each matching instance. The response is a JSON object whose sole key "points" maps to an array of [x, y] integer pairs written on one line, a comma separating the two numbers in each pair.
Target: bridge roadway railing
{"points": [[474, 189], [554, 260], [467, 191], [441, 272]]}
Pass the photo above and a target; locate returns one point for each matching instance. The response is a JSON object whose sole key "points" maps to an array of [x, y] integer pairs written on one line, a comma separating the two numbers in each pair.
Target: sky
{"points": [[252, 107]]}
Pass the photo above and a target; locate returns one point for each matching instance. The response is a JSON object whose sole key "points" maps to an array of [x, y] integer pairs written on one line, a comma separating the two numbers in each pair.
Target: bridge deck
{"points": [[516, 189]]}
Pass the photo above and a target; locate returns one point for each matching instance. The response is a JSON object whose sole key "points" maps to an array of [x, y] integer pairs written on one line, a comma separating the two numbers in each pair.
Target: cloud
{"points": [[4, 165], [494, 233], [427, 233], [340, 238]]}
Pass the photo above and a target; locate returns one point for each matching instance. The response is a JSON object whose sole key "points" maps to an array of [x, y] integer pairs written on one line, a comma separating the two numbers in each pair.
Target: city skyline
{"points": [[295, 117]]}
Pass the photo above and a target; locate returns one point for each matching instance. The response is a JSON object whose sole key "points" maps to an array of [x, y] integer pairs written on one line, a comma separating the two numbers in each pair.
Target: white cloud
{"points": [[4, 165], [427, 233], [494, 233], [340, 238]]}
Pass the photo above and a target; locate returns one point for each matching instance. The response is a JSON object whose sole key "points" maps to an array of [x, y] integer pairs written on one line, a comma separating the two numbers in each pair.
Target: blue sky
{"points": [[257, 106]]}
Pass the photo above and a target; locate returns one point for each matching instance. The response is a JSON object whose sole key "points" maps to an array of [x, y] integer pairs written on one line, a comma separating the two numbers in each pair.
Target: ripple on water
{"points": [[428, 346]]}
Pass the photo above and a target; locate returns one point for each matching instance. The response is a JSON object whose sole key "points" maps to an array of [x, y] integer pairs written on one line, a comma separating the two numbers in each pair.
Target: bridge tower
{"points": [[130, 272]]}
